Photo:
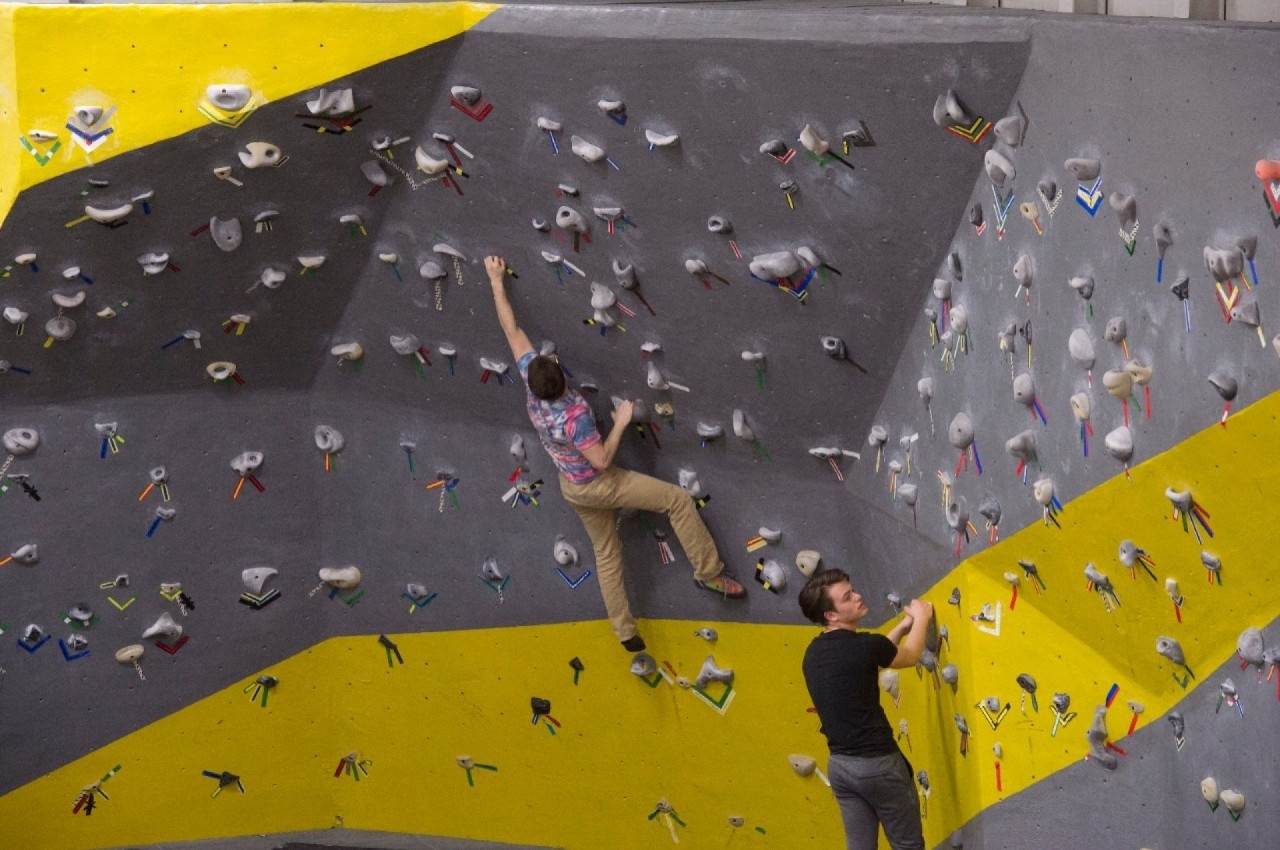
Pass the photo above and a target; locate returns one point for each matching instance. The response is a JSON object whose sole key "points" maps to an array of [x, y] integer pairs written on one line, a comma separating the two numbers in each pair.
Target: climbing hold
{"points": [[1119, 444], [711, 672], [775, 266], [1249, 646], [643, 665], [347, 351], [999, 169], [1171, 649], [329, 440], [1097, 737], [1083, 169], [255, 579], [586, 150], [342, 578], [1081, 348], [564, 553], [226, 234], [960, 431], [335, 102], [808, 561], [246, 462], [260, 155], [228, 97], [1225, 385], [1012, 128], [661, 140], [164, 626]]}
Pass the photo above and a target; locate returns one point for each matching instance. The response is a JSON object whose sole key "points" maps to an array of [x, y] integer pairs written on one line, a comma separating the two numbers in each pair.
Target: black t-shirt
{"points": [[841, 670]]}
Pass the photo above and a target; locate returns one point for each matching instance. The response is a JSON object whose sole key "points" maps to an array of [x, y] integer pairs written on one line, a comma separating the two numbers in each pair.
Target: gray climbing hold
{"points": [[255, 579], [164, 626], [1163, 237], [719, 224], [774, 147], [950, 674], [15, 315], [246, 462], [773, 575], [1097, 737], [428, 163], [1171, 649], [941, 288], [329, 440], [1116, 330], [405, 344], [68, 301], [564, 552], [643, 665], [1224, 263], [602, 297], [153, 263], [1022, 271], [948, 111], [625, 275], [957, 515], [909, 494], [775, 266], [335, 102], [975, 215], [470, 95], [1083, 169], [960, 431], [709, 432], [661, 140], [808, 562], [1012, 128], [1081, 348], [711, 672], [1248, 246], [226, 234], [999, 169], [1119, 444], [1126, 209], [877, 436], [1225, 385], [740, 427], [1250, 646], [586, 150], [1022, 446], [228, 97], [607, 213], [1048, 189], [431, 270], [108, 215], [445, 249], [833, 346], [1024, 390], [1099, 579], [372, 171], [1083, 286], [548, 125], [27, 554], [1247, 313], [571, 219], [989, 508], [60, 328]]}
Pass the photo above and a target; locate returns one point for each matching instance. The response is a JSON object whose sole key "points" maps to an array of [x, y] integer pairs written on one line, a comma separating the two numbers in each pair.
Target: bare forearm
{"points": [[897, 632], [506, 316]]}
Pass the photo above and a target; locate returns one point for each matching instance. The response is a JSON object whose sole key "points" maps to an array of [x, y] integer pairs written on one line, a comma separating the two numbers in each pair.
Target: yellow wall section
{"points": [[623, 744], [154, 62]]}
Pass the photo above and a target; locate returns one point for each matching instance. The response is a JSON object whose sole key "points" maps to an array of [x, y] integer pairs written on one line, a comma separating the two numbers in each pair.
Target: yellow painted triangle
{"points": [[153, 63]]}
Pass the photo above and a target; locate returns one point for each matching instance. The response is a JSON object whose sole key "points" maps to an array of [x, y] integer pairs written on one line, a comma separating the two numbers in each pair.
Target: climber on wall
{"points": [[871, 778], [592, 484]]}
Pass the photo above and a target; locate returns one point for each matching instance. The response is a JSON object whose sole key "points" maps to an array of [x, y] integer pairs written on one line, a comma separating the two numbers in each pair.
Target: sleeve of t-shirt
{"points": [[522, 365], [581, 427], [882, 650]]}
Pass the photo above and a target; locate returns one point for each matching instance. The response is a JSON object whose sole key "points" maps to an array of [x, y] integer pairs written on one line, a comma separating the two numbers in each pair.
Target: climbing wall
{"points": [[249, 325]]}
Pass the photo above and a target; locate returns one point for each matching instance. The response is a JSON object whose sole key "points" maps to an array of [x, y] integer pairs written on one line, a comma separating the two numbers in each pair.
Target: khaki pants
{"points": [[595, 502]]}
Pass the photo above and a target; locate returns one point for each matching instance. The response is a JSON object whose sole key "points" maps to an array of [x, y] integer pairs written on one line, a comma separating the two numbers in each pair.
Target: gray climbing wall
{"points": [[370, 510], [1176, 114]]}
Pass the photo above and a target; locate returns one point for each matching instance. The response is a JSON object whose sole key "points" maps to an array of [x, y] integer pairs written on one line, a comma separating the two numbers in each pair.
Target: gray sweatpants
{"points": [[874, 792]]}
